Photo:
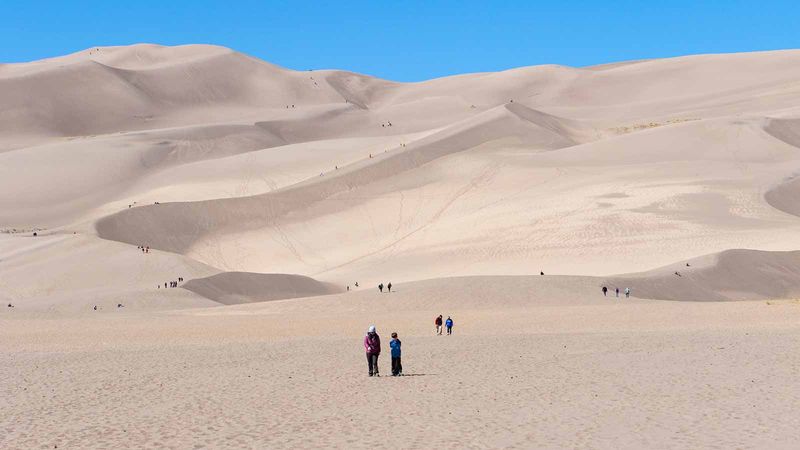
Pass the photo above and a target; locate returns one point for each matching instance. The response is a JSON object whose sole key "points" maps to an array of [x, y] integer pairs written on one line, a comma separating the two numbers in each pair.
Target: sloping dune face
{"points": [[243, 166], [232, 288], [729, 275]]}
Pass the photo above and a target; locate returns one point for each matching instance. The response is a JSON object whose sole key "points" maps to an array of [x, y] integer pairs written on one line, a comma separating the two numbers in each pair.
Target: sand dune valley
{"points": [[269, 191]]}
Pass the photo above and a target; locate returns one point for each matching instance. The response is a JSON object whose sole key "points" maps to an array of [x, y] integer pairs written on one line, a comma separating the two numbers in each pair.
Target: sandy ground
{"points": [[604, 374]]}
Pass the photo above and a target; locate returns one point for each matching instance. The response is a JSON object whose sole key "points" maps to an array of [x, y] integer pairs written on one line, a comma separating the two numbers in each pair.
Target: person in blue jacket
{"points": [[397, 367], [449, 325]]}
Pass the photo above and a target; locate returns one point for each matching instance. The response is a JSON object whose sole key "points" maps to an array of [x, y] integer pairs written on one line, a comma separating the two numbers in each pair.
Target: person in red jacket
{"points": [[438, 323], [372, 344]]}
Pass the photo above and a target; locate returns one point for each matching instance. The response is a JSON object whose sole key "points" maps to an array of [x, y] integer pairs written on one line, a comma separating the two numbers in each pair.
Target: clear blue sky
{"points": [[407, 40]]}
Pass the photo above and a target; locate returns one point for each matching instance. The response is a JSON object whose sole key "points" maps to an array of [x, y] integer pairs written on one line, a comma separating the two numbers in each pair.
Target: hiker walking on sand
{"points": [[380, 287], [627, 292], [397, 366], [449, 325], [605, 291], [389, 286], [438, 323], [372, 344], [617, 291]]}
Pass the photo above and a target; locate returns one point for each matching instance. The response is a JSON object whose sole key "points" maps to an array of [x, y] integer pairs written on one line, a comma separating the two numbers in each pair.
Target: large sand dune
{"points": [[270, 191], [343, 177]]}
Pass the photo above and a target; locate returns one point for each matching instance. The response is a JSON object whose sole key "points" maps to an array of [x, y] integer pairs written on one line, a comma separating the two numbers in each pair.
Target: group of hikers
{"points": [[448, 324], [616, 290], [119, 305], [172, 284], [372, 345], [144, 249], [381, 286]]}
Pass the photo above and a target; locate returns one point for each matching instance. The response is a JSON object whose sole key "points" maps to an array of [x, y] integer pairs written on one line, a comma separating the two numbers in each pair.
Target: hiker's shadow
{"points": [[418, 374]]}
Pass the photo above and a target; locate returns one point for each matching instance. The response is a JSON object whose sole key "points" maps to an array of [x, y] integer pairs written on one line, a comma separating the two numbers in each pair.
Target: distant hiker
{"points": [[119, 305], [10, 305], [35, 234], [348, 288], [356, 283], [380, 287], [397, 367], [449, 325], [687, 265], [541, 273], [617, 291], [372, 344], [165, 285], [677, 273], [95, 307], [627, 292], [389, 286], [438, 323], [605, 291]]}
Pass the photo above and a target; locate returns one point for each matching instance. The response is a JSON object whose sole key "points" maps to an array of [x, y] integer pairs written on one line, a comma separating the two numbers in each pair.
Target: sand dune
{"points": [[459, 191], [729, 275], [726, 276], [176, 233], [342, 177]]}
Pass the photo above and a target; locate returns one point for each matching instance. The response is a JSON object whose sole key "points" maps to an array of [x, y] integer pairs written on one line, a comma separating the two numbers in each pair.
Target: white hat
{"points": [[371, 329]]}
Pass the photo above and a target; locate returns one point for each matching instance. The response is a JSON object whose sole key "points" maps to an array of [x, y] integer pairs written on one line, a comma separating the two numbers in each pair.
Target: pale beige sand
{"points": [[615, 175], [521, 371]]}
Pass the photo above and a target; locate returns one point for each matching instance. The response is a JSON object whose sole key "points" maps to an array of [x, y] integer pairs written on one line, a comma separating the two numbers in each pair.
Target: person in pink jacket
{"points": [[372, 344]]}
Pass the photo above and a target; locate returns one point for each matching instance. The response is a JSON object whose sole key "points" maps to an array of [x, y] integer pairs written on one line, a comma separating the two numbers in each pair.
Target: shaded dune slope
{"points": [[231, 288], [129, 88], [729, 275], [786, 195]]}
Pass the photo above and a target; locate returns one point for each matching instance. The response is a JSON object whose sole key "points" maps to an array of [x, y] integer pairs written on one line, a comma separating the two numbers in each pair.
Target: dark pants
{"points": [[397, 366], [372, 363], [449, 330]]}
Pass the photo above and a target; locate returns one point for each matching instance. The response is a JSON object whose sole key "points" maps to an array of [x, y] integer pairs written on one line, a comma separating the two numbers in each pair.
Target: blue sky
{"points": [[407, 40]]}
